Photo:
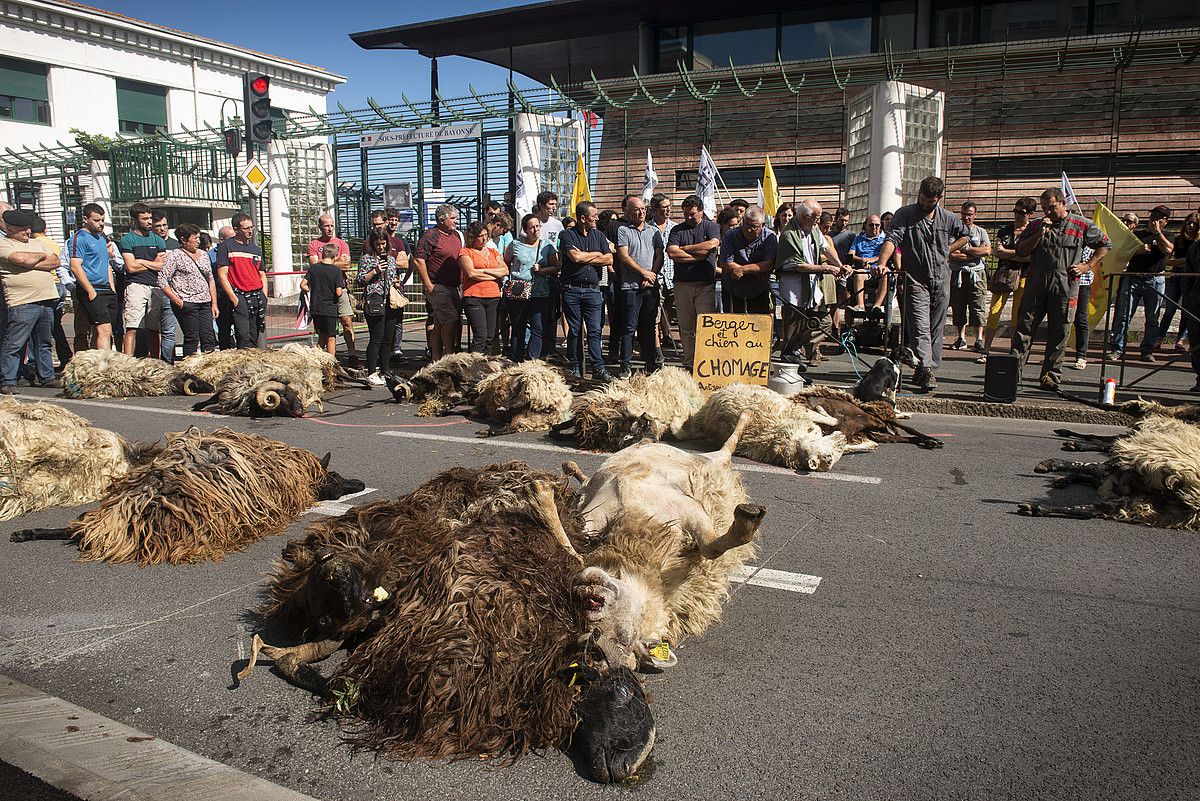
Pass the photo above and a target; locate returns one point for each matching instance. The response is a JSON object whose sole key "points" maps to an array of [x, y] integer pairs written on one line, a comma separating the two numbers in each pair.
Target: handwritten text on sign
{"points": [[732, 349]]}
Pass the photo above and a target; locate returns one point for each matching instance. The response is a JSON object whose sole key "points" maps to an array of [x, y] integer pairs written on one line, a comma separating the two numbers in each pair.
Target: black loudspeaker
{"points": [[1001, 377]]}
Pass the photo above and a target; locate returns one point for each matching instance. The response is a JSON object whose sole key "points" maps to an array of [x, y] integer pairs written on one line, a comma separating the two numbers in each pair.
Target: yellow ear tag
{"points": [[661, 652], [380, 594], [575, 675]]}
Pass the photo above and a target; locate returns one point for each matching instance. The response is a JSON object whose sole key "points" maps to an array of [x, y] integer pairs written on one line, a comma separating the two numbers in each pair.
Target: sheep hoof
{"points": [[1029, 509], [1046, 466], [930, 443], [1062, 482], [24, 535], [750, 513]]}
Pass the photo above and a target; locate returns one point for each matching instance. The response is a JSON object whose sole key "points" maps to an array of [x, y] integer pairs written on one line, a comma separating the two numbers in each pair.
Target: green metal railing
{"points": [[152, 170]]}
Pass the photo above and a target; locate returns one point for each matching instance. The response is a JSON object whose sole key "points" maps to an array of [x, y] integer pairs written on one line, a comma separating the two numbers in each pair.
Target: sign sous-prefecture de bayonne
{"points": [[732, 349], [421, 136]]}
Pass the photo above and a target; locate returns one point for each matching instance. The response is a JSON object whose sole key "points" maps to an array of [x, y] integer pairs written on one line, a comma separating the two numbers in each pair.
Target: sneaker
{"points": [[1182, 345], [353, 361], [602, 375], [376, 379], [1049, 383], [924, 380], [1149, 357], [959, 344], [982, 359], [1079, 364], [978, 346], [8, 389], [658, 356], [624, 372], [1115, 356], [52, 383]]}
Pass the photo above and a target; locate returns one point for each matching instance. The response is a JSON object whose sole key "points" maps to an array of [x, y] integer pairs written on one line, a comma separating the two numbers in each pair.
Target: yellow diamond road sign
{"points": [[255, 177]]}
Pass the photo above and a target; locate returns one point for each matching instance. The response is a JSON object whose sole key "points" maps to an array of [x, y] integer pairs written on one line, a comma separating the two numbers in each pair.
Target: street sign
{"points": [[421, 136], [255, 177]]}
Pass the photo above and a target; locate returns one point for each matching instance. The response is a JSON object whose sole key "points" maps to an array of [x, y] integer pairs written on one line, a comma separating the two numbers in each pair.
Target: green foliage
{"points": [[97, 146], [345, 698]]}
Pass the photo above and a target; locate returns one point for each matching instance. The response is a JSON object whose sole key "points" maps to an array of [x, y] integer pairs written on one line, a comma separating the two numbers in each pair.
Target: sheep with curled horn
{"points": [[626, 411], [214, 366], [51, 457], [1152, 477], [445, 383], [530, 396], [112, 374], [202, 495], [462, 609], [862, 421]]}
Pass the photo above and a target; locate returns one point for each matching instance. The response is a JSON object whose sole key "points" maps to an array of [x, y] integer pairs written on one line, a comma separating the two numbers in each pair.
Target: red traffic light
{"points": [[260, 85]]}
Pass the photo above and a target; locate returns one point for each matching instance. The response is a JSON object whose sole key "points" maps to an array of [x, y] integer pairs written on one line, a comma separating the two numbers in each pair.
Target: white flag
{"points": [[521, 200], [706, 183], [651, 180], [759, 202], [1066, 190]]}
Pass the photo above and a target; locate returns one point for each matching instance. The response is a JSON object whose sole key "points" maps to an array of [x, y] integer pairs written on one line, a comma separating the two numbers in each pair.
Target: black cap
{"points": [[19, 218]]}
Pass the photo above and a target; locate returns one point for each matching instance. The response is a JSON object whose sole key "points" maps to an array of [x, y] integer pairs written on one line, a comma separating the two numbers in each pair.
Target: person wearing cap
{"points": [[27, 272], [1144, 283]]}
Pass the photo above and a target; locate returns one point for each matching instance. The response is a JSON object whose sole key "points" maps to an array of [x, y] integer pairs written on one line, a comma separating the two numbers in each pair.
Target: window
{"points": [[785, 175], [1150, 164], [141, 107], [897, 25], [1113, 15], [1027, 19], [747, 40], [953, 23], [672, 47], [23, 93], [803, 38]]}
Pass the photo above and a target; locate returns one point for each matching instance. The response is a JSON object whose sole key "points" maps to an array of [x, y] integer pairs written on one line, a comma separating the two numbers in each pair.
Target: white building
{"points": [[64, 65]]}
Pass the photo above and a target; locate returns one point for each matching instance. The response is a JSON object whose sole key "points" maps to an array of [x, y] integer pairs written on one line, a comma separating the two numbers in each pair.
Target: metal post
{"points": [[434, 109], [419, 223], [364, 198]]}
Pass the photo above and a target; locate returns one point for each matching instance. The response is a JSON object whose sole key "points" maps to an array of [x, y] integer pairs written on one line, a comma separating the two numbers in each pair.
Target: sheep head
{"points": [[275, 397], [625, 620], [401, 388], [333, 485], [819, 454], [615, 733]]}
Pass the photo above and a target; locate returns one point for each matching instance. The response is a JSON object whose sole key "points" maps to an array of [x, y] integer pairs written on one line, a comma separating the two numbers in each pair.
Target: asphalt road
{"points": [[951, 650]]}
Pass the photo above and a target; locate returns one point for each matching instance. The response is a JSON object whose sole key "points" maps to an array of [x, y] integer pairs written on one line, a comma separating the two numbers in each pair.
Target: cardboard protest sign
{"points": [[732, 349]]}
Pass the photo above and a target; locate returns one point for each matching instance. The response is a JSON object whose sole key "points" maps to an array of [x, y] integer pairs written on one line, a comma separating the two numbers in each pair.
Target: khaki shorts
{"points": [[345, 309], [442, 305], [143, 307]]}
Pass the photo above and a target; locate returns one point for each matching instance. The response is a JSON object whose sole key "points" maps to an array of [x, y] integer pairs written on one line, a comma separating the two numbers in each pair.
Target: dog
{"points": [[880, 382]]}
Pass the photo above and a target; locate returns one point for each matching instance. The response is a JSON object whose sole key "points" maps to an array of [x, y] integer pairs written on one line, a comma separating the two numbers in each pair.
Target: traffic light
{"points": [[256, 89], [233, 142]]}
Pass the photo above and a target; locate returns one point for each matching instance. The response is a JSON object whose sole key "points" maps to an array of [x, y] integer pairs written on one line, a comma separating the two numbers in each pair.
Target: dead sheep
{"points": [[626, 411], [862, 421], [112, 374], [444, 383], [1152, 477], [779, 431], [50, 457], [461, 607], [663, 531], [202, 495], [530, 396], [259, 383]]}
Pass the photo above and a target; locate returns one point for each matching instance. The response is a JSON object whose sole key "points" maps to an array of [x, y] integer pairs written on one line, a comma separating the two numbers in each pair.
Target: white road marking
{"points": [[776, 579], [126, 406], [541, 446], [338, 507]]}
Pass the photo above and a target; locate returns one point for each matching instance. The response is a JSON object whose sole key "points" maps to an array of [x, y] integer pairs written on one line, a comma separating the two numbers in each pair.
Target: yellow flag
{"points": [[770, 188], [1124, 246], [580, 192]]}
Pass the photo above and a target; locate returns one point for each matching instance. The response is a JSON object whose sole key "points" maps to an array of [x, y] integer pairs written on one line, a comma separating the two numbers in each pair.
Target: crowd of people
{"points": [[634, 270]]}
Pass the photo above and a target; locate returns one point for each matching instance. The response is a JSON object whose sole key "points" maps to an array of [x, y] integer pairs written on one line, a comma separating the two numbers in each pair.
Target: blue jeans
{"points": [[28, 323], [527, 317], [1177, 287], [583, 307], [168, 332], [1134, 291]]}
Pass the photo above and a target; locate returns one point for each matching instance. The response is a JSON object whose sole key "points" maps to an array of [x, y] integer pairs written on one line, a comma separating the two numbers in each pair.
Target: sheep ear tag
{"points": [[661, 652], [380, 595]]}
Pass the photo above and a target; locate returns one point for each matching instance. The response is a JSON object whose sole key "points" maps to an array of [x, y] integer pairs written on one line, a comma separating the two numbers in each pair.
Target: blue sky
{"points": [[318, 33]]}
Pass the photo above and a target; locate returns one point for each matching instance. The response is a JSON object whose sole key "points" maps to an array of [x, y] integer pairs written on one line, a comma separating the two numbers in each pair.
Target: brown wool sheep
{"points": [[444, 383], [112, 374], [862, 421], [531, 396], [625, 411], [51, 457], [460, 606], [202, 495]]}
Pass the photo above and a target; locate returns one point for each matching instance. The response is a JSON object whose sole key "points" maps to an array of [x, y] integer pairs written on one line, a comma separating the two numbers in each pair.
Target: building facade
{"points": [[65, 67]]}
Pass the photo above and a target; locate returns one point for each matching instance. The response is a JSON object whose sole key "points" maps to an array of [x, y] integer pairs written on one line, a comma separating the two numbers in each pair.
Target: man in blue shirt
{"points": [[89, 263], [864, 255], [584, 251], [747, 259]]}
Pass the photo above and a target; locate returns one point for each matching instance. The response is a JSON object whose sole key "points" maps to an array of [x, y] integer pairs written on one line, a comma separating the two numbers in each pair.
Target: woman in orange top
{"points": [[482, 271]]}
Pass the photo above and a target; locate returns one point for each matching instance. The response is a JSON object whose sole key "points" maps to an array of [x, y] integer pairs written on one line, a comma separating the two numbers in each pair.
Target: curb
{"points": [[94, 757], [1014, 411]]}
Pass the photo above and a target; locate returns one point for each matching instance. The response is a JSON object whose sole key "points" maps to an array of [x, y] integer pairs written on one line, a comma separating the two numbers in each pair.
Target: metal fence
{"points": [[160, 171]]}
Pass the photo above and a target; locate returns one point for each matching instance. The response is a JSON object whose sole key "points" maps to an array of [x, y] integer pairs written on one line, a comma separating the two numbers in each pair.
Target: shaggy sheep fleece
{"points": [[1157, 474], [51, 457], [112, 374], [531, 396], [205, 494], [464, 654]]}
